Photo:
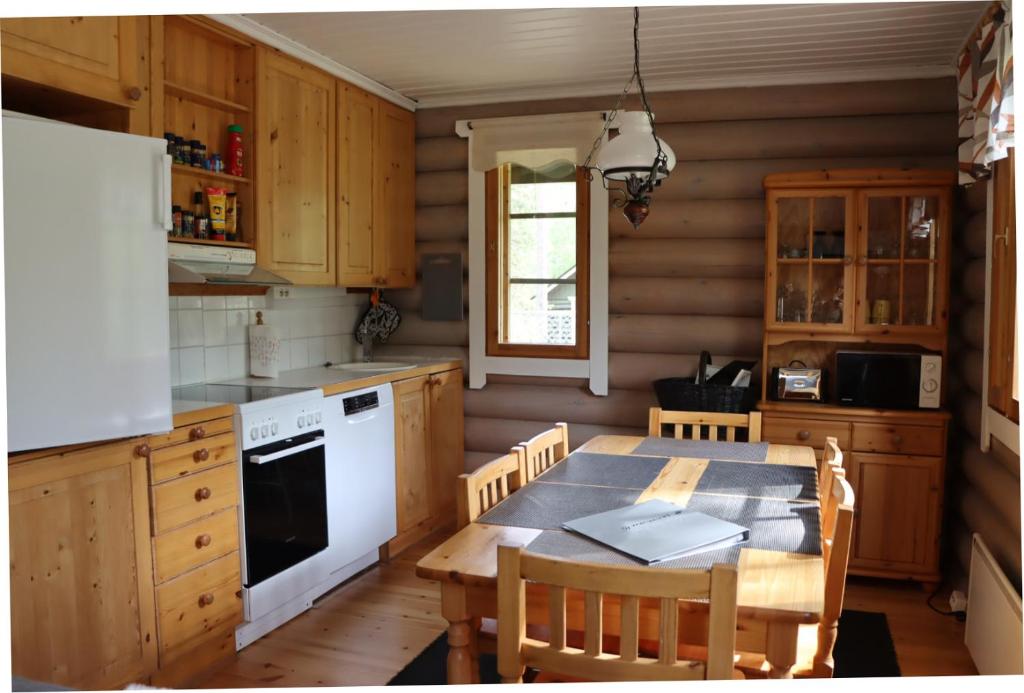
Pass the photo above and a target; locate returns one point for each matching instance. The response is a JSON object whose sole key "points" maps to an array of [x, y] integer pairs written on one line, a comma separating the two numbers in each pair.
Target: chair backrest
{"points": [[837, 538], [630, 584], [544, 450], [831, 466], [487, 486], [691, 424]]}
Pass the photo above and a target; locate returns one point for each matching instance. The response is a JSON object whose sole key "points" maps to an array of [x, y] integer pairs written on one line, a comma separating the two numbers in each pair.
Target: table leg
{"points": [[781, 649], [460, 641]]}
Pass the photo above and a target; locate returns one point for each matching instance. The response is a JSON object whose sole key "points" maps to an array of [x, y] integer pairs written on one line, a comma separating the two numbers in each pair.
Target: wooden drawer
{"points": [[810, 432], [187, 434], [195, 544], [179, 460], [899, 438], [199, 602], [181, 501]]}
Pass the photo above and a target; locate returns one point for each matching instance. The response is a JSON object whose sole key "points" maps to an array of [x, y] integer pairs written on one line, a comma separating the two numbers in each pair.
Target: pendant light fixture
{"points": [[638, 158]]}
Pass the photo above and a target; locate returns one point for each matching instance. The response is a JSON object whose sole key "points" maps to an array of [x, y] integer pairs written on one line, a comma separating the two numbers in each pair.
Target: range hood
{"points": [[191, 263]]}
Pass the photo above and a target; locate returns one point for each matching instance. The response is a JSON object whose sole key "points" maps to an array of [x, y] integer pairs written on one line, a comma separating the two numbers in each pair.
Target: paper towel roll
{"points": [[264, 349]]}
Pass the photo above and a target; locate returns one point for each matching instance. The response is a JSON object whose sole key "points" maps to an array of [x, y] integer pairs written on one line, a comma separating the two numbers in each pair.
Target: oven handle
{"points": [[263, 459]]}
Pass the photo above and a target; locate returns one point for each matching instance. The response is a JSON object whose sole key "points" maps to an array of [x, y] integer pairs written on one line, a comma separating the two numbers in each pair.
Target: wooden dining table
{"points": [[778, 590]]}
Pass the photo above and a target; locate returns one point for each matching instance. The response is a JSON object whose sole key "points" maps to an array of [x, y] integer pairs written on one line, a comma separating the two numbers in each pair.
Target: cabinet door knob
{"points": [[142, 450], [203, 540], [205, 599], [897, 439], [803, 435], [861, 260], [202, 493], [847, 259], [197, 433], [201, 455], [133, 93]]}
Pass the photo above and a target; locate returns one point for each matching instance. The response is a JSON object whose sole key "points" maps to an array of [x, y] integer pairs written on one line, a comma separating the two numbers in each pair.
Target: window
{"points": [[1002, 357], [537, 250]]}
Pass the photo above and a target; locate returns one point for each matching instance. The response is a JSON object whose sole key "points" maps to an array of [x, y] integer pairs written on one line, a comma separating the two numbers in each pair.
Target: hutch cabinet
{"points": [[859, 260]]}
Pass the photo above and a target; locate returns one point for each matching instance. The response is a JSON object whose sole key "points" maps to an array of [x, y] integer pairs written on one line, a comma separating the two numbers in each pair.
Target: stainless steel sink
{"points": [[373, 366]]}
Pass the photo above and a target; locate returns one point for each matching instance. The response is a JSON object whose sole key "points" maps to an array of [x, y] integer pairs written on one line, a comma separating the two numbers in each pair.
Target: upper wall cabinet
{"points": [[295, 152], [376, 191], [100, 63], [862, 252]]}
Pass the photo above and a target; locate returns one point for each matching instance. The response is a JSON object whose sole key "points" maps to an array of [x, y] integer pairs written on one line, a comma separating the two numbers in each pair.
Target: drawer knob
{"points": [[202, 493], [803, 435], [897, 439], [205, 599], [201, 455], [197, 433], [142, 450], [203, 540], [133, 93]]}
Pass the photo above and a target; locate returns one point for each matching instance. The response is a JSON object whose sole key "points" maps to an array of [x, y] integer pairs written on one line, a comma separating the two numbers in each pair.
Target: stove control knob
{"points": [[319, 417], [273, 428], [929, 386], [254, 433], [309, 419], [301, 421], [264, 431]]}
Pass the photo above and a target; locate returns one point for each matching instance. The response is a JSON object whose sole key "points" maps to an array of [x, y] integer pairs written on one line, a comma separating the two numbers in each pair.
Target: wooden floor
{"points": [[367, 630]]}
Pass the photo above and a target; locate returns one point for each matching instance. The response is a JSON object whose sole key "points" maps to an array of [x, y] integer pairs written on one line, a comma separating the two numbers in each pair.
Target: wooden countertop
{"points": [[380, 379], [194, 412], [804, 409]]}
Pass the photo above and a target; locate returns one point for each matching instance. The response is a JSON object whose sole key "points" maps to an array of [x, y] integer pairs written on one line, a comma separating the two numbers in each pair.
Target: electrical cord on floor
{"points": [[959, 615]]}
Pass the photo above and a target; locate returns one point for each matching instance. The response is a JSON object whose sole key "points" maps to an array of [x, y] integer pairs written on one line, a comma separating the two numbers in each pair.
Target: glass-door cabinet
{"points": [[902, 260], [809, 265]]}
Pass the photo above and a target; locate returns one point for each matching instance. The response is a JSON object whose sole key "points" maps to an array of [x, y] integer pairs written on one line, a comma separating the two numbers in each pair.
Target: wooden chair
{"points": [[815, 642], [831, 466], [696, 421], [517, 651], [487, 486], [544, 450]]}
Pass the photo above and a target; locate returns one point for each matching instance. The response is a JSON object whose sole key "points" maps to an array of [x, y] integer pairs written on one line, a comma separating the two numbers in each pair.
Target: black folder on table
{"points": [[657, 530]]}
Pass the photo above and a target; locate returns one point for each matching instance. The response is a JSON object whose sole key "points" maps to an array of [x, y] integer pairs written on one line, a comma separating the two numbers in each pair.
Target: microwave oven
{"points": [[888, 380]]}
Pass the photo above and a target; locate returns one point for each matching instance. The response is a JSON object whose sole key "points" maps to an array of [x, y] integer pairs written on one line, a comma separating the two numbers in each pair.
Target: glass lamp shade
{"points": [[632, 152]]}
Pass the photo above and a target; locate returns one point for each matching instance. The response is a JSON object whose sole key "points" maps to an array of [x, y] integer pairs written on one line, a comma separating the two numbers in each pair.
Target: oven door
{"points": [[284, 497]]}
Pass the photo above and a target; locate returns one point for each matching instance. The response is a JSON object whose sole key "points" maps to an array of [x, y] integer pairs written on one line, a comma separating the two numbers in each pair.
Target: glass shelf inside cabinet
{"points": [[810, 259], [902, 262]]}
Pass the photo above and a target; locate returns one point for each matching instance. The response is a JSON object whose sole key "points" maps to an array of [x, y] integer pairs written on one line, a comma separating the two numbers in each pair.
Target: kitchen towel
{"points": [[264, 349]]}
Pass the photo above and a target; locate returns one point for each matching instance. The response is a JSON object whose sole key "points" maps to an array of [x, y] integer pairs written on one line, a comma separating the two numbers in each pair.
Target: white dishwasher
{"points": [[360, 478]]}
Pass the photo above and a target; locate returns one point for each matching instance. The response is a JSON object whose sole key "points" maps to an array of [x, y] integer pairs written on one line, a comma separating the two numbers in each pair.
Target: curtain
{"points": [[985, 95], [534, 141]]}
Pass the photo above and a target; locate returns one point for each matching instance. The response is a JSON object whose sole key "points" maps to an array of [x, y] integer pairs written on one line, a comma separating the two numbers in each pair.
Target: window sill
{"points": [[995, 425]]}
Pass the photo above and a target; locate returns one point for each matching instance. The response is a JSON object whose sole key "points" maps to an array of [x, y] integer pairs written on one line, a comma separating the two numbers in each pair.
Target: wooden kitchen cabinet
{"points": [[91, 71], [858, 252], [376, 191], [894, 460], [82, 594], [898, 514], [429, 453], [295, 159]]}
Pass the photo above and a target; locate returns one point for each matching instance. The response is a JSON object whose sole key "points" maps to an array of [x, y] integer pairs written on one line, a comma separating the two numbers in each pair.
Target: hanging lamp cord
{"points": [[660, 155]]}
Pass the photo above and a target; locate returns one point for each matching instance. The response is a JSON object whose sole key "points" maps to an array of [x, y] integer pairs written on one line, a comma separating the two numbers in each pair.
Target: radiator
{"points": [[993, 634]]}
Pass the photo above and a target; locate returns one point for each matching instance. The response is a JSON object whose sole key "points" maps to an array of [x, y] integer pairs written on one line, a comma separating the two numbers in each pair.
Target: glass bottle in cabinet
{"points": [[902, 260], [809, 271]]}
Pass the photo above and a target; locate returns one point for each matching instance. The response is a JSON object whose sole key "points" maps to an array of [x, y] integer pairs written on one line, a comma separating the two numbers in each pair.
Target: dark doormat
{"points": [[864, 648]]}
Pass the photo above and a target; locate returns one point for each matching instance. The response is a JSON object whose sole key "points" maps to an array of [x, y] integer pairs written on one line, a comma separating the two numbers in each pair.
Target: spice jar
{"points": [[235, 167], [179, 150], [188, 224], [186, 152], [169, 136], [176, 221], [198, 153]]}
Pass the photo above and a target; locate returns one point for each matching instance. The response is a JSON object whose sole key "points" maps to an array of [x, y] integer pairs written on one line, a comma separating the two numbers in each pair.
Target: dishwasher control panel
{"points": [[360, 403]]}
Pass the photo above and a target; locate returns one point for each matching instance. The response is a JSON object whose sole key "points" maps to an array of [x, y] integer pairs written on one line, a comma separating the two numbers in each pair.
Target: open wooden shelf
{"points": [[209, 241], [202, 97], [197, 172], [814, 260]]}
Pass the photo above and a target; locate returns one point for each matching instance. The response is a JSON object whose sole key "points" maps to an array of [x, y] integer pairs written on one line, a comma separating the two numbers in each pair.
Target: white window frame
{"points": [[594, 368]]}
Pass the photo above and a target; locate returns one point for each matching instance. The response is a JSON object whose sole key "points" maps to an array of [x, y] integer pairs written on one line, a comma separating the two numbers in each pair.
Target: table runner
{"points": [[703, 449]]}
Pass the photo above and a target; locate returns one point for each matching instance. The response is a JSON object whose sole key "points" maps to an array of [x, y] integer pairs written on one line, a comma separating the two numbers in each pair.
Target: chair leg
{"points": [[824, 664], [474, 648]]}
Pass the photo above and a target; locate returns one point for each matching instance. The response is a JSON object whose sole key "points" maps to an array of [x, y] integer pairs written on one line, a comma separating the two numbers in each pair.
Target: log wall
{"points": [[692, 277], [983, 489]]}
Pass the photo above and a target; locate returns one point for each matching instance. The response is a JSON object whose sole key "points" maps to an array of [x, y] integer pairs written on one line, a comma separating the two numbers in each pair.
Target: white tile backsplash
{"points": [[210, 334]]}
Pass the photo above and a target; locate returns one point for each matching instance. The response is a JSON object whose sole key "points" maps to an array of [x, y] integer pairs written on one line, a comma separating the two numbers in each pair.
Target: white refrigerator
{"points": [[85, 214]]}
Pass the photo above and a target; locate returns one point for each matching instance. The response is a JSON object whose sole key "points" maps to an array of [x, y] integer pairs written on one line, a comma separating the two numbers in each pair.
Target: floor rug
{"points": [[864, 648]]}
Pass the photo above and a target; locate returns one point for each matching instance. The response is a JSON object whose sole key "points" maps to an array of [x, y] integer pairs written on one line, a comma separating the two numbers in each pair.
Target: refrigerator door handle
{"points": [[164, 198]]}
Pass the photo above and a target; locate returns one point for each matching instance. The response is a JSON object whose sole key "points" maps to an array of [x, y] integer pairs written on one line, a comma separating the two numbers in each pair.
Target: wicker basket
{"points": [[693, 394]]}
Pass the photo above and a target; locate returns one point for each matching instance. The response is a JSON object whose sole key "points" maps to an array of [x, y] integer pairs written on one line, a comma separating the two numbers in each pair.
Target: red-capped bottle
{"points": [[235, 167]]}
